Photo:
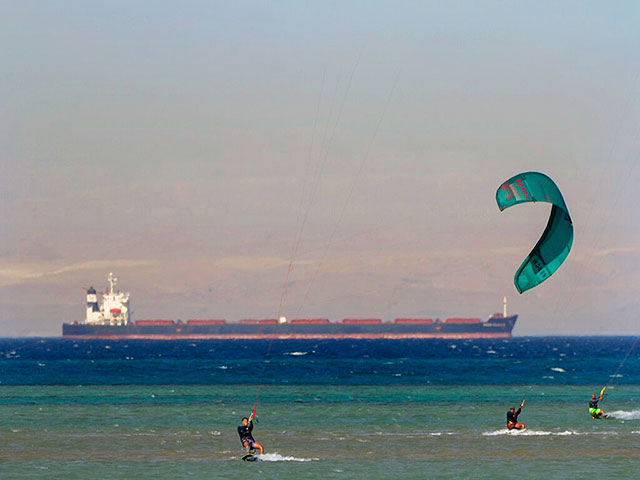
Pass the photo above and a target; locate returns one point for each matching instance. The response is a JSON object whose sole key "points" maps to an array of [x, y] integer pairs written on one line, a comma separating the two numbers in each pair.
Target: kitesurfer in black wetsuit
{"points": [[593, 406], [512, 418], [248, 442]]}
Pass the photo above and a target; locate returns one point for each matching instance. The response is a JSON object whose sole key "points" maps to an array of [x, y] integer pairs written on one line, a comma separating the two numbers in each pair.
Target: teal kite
{"points": [[555, 243]]}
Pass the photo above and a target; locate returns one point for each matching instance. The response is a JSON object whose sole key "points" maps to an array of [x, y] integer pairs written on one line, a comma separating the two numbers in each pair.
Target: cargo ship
{"points": [[110, 318]]}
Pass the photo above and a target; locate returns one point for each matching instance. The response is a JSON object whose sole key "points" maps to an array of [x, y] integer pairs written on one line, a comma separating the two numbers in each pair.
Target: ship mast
{"points": [[113, 281], [504, 306]]}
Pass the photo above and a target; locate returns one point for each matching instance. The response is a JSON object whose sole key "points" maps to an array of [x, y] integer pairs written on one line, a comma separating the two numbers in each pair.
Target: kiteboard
{"points": [[250, 457]]}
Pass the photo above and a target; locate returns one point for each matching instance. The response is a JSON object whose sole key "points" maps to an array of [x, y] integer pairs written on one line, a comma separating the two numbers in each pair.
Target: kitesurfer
{"points": [[248, 442], [593, 406], [512, 418]]}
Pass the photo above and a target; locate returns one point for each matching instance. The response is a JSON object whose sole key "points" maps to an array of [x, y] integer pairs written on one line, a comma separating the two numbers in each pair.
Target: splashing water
{"points": [[276, 457], [625, 415], [527, 432]]}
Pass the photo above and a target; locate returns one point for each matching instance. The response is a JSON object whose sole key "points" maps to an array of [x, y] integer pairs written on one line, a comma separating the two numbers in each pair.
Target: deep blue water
{"points": [[515, 361]]}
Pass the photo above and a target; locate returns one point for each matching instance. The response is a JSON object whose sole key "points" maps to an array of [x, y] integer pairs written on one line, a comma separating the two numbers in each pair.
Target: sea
{"points": [[331, 409]]}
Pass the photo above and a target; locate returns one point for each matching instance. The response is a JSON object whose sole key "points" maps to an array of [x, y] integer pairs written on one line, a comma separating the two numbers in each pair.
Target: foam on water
{"points": [[296, 354], [558, 369], [276, 457], [625, 415]]}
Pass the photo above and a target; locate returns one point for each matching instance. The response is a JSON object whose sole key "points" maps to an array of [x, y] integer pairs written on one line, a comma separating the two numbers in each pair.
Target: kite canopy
{"points": [[555, 243]]}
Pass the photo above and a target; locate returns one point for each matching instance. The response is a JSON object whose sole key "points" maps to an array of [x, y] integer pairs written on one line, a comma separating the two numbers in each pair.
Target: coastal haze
{"points": [[185, 149]]}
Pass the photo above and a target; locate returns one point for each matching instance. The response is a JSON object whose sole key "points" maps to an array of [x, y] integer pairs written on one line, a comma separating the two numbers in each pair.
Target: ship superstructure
{"points": [[112, 310], [110, 319]]}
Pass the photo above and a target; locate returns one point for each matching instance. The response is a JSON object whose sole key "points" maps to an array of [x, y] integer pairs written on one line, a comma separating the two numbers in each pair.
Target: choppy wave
{"points": [[276, 457], [625, 415], [558, 369], [414, 435], [372, 362]]}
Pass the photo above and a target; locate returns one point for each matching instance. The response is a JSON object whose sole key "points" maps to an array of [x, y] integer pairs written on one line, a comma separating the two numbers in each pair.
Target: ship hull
{"points": [[495, 327]]}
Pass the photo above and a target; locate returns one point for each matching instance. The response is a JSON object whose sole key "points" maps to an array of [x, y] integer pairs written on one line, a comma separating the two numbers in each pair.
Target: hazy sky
{"points": [[183, 146]]}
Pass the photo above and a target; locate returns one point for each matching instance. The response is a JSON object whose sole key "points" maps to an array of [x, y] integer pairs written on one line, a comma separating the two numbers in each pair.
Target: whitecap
{"points": [[558, 369], [296, 354], [491, 351]]}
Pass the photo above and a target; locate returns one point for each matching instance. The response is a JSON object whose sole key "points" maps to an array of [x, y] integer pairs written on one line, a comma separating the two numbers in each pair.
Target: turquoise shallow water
{"points": [[342, 432]]}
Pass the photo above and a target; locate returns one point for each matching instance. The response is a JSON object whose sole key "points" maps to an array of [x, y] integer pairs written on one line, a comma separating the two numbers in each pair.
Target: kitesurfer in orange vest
{"points": [[512, 418]]}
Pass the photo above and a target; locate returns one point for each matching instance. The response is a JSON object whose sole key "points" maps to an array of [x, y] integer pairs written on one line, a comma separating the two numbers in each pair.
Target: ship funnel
{"points": [[282, 320]]}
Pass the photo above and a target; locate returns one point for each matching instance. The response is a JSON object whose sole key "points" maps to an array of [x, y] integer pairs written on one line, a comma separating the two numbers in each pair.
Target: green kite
{"points": [[555, 243]]}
